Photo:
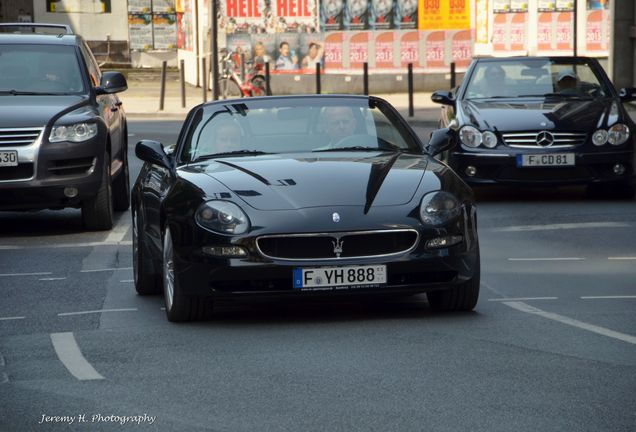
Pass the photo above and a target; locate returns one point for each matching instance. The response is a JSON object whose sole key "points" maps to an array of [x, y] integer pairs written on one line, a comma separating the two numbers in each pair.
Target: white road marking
{"points": [[12, 318], [522, 299], [562, 226], [127, 281], [609, 297], [96, 311], [67, 245], [621, 258], [520, 306], [547, 259], [71, 357], [52, 279], [118, 232], [105, 269], [24, 274]]}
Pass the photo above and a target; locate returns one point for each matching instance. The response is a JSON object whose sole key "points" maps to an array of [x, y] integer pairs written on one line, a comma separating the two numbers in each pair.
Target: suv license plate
{"points": [[8, 158], [327, 278], [542, 160]]}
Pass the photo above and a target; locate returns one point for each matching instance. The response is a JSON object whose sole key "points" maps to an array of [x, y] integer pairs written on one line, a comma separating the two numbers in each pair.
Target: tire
{"points": [[179, 308], [143, 274], [121, 186], [462, 297], [229, 89], [97, 212]]}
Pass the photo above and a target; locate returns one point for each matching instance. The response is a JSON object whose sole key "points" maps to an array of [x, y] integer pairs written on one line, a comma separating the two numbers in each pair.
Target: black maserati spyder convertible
{"points": [[301, 196], [541, 121]]}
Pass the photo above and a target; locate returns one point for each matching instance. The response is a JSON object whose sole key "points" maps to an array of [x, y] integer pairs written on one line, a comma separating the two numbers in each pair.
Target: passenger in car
{"points": [[567, 82]]}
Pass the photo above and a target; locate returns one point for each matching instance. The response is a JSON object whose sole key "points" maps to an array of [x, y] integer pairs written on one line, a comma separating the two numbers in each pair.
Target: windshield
{"points": [[39, 69], [328, 124], [535, 77]]}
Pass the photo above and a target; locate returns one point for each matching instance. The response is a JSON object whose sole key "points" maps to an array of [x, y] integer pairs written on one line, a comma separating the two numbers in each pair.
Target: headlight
{"points": [[470, 136], [75, 133], [223, 217], [599, 137], [489, 139], [618, 134], [439, 207]]}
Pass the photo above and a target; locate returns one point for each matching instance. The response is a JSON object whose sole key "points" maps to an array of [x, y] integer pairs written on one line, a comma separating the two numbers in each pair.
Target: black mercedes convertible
{"points": [[547, 121], [301, 196]]}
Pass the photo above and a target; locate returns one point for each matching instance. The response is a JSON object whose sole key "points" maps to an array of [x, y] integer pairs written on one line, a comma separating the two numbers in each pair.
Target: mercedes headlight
{"points": [[470, 136], [75, 133], [489, 139], [222, 217], [599, 137], [618, 134], [437, 208]]}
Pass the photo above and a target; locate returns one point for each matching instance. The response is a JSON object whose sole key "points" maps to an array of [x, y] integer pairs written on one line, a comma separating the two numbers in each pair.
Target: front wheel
{"points": [[179, 308], [462, 297], [229, 89], [97, 212], [143, 271]]}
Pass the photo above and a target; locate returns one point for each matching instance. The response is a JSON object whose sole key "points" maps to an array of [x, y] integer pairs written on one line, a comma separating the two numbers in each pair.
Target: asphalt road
{"points": [[551, 345]]}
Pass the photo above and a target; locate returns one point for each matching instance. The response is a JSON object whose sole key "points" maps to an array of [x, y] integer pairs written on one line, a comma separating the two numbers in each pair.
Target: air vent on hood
{"points": [[18, 137]]}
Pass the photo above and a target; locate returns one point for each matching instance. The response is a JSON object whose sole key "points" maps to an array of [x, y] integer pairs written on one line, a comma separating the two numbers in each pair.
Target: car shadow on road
{"points": [[498, 193], [44, 223]]}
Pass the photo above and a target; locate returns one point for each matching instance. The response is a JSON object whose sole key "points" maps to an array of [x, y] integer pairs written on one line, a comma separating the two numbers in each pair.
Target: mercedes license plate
{"points": [[8, 158], [328, 278], [543, 160]]}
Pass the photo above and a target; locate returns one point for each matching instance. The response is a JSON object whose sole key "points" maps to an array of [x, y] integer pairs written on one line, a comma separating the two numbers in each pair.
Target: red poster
{"points": [[409, 52], [518, 32], [333, 50], [435, 49], [359, 49], [461, 48], [564, 31], [594, 31], [544, 31], [384, 50], [499, 32]]}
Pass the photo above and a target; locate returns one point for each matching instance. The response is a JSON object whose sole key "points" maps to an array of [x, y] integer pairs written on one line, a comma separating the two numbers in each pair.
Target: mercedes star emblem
{"points": [[335, 217], [545, 139]]}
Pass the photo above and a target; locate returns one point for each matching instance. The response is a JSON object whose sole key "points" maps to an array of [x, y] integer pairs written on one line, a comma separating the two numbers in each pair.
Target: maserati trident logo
{"points": [[545, 139], [335, 217], [337, 247]]}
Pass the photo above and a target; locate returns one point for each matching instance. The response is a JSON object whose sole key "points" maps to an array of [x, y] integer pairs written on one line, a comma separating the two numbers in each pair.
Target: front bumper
{"points": [[46, 169], [501, 168]]}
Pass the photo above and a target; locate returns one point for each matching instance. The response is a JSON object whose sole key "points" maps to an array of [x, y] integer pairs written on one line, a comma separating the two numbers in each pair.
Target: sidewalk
{"points": [[142, 100]]}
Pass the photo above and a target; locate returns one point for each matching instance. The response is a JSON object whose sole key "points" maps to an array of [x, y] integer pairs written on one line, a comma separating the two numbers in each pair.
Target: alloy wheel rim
{"points": [[168, 271]]}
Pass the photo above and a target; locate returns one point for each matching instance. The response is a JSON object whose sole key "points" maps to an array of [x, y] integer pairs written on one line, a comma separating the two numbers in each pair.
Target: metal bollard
{"points": [[318, 78], [453, 77], [365, 78], [182, 78], [162, 92], [204, 77], [268, 89], [410, 80]]}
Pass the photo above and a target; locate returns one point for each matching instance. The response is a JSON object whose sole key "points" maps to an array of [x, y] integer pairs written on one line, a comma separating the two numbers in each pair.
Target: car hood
{"points": [[567, 115], [34, 111], [284, 182]]}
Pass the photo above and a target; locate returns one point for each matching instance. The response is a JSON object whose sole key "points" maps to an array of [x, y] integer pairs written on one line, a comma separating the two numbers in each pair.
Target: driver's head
{"points": [[228, 137], [339, 122]]}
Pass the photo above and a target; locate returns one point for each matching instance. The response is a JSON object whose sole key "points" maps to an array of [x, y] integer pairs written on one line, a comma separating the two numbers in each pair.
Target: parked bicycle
{"points": [[232, 84]]}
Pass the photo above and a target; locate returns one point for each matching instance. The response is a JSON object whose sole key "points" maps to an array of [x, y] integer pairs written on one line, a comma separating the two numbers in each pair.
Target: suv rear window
{"points": [[38, 69]]}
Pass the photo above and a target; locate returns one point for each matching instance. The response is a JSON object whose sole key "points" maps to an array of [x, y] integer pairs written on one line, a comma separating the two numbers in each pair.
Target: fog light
{"points": [[225, 251], [443, 242], [70, 192], [471, 171], [619, 169]]}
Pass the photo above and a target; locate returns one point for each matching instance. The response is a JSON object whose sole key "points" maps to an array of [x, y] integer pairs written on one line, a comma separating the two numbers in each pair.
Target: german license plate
{"points": [[543, 160], [328, 278], [8, 158]]}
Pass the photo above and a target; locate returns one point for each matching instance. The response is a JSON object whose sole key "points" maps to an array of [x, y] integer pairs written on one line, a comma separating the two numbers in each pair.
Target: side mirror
{"points": [[112, 82], [627, 94], [153, 152], [443, 97], [441, 140]]}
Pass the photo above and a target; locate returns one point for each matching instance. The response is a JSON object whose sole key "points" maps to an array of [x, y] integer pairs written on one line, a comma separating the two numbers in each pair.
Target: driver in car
{"points": [[339, 123], [567, 82]]}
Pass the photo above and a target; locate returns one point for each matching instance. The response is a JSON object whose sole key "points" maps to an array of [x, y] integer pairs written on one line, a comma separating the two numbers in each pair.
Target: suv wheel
{"points": [[97, 212], [121, 187]]}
